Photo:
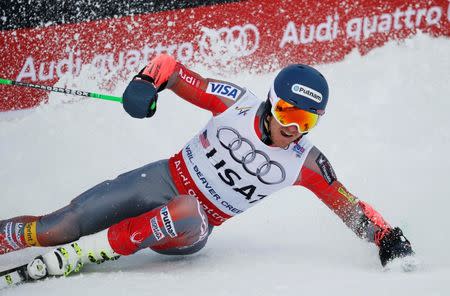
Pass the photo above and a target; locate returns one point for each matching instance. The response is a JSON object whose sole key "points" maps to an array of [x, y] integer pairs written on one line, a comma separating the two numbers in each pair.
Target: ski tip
{"points": [[12, 278]]}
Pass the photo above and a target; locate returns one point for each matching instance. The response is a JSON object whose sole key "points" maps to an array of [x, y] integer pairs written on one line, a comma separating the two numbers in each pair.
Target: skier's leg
{"points": [[181, 224], [12, 233], [180, 227], [129, 195]]}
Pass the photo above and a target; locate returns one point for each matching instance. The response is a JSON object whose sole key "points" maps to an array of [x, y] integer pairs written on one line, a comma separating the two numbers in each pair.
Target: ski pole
{"points": [[66, 91]]}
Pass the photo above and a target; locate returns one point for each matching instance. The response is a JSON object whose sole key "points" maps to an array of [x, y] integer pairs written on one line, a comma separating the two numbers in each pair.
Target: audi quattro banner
{"points": [[255, 36]]}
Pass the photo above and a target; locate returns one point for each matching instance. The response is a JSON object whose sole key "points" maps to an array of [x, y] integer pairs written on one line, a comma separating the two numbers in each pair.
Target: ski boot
{"points": [[71, 258]]}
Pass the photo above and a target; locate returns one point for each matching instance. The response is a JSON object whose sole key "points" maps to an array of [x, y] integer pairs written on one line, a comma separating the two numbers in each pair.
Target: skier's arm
{"points": [[213, 95], [318, 176]]}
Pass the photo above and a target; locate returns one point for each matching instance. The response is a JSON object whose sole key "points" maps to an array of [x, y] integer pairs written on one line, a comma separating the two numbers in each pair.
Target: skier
{"points": [[248, 150]]}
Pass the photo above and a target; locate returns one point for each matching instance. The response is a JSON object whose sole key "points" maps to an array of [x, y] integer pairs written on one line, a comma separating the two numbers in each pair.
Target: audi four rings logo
{"points": [[237, 41], [249, 155]]}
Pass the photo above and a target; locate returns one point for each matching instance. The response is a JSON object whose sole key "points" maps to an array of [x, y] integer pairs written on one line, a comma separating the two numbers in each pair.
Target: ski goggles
{"points": [[287, 114]]}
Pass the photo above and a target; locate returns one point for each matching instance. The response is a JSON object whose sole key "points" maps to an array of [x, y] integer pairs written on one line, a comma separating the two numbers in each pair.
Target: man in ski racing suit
{"points": [[248, 150]]}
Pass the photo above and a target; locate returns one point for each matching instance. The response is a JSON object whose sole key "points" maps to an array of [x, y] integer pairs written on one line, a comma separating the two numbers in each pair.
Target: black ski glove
{"points": [[394, 245], [140, 97]]}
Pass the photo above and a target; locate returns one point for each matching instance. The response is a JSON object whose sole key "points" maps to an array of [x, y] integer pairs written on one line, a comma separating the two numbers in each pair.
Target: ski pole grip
{"points": [[139, 98]]}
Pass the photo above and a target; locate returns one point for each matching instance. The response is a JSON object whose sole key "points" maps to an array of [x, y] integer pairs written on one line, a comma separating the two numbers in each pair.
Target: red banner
{"points": [[256, 36]]}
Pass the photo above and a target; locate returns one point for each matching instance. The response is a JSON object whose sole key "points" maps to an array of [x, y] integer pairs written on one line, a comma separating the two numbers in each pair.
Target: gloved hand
{"points": [[140, 97], [394, 245]]}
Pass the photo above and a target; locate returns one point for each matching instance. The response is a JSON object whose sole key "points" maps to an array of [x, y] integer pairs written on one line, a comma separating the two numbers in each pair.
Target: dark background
{"points": [[37, 13]]}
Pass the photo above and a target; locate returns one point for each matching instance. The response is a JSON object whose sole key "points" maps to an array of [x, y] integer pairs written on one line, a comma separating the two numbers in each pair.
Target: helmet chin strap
{"points": [[264, 123], [266, 138]]}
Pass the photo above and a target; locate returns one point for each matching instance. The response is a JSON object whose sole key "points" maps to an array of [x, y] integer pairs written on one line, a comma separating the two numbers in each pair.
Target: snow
{"points": [[386, 133]]}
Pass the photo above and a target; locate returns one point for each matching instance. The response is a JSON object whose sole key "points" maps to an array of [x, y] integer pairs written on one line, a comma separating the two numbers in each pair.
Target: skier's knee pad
{"points": [[186, 206], [189, 217], [187, 225], [179, 224]]}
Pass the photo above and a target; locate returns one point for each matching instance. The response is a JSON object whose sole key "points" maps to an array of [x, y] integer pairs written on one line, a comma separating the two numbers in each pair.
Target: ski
{"points": [[19, 275], [14, 276]]}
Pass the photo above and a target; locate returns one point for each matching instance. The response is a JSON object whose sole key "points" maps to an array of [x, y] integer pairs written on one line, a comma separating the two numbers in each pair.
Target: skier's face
{"points": [[282, 136]]}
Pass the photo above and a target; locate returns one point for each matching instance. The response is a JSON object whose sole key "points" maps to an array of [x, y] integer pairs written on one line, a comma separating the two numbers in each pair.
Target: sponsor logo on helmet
{"points": [[223, 89], [307, 92], [168, 222]]}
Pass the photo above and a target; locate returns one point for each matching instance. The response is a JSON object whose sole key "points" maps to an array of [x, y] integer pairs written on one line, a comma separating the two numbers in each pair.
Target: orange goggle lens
{"points": [[288, 114]]}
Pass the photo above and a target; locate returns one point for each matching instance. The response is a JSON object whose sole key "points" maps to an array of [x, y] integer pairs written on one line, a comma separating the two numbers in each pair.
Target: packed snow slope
{"points": [[386, 132]]}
